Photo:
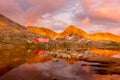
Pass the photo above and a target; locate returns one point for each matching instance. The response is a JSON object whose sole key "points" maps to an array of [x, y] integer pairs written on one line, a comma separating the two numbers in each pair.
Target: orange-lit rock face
{"points": [[106, 53], [105, 36], [74, 30], [42, 31], [3, 25], [68, 31]]}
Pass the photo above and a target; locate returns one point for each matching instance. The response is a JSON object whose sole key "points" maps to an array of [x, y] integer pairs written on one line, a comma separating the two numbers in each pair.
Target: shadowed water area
{"points": [[21, 63]]}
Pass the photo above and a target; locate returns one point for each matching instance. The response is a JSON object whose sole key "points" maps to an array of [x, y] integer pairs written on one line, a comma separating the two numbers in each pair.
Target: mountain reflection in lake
{"points": [[60, 70], [33, 65]]}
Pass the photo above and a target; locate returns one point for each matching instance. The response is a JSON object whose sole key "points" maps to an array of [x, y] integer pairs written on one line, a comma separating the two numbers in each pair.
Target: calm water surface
{"points": [[25, 65]]}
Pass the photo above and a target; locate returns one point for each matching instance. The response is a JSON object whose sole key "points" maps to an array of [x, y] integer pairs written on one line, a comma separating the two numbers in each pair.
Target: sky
{"points": [[90, 15]]}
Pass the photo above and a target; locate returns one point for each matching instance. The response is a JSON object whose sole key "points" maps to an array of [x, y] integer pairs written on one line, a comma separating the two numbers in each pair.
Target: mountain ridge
{"points": [[75, 30], [42, 31], [12, 32]]}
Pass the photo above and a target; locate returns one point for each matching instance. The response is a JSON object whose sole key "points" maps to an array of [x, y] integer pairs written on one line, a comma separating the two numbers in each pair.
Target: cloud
{"points": [[28, 12], [111, 13], [54, 14], [100, 14], [49, 5], [41, 7], [10, 9], [60, 19], [57, 21], [85, 22], [32, 15], [104, 14], [115, 30], [103, 9]]}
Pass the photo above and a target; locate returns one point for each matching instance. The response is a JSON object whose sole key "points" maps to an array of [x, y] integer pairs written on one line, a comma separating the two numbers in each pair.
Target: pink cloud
{"points": [[86, 4], [115, 30], [97, 12], [14, 10], [112, 13], [85, 22], [49, 4], [103, 9], [32, 15], [10, 9], [40, 7]]}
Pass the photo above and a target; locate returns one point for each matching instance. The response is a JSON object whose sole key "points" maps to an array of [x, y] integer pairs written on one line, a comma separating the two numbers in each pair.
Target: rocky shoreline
{"points": [[69, 54]]}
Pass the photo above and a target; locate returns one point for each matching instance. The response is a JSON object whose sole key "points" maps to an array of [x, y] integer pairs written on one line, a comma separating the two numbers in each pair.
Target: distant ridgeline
{"points": [[14, 33], [73, 30]]}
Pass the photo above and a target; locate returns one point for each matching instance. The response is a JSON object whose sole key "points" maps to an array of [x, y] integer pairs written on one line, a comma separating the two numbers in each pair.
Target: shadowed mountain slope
{"points": [[11, 32]]}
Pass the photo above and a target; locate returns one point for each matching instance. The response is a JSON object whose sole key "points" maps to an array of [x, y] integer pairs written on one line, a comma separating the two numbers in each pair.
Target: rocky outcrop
{"points": [[71, 54]]}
